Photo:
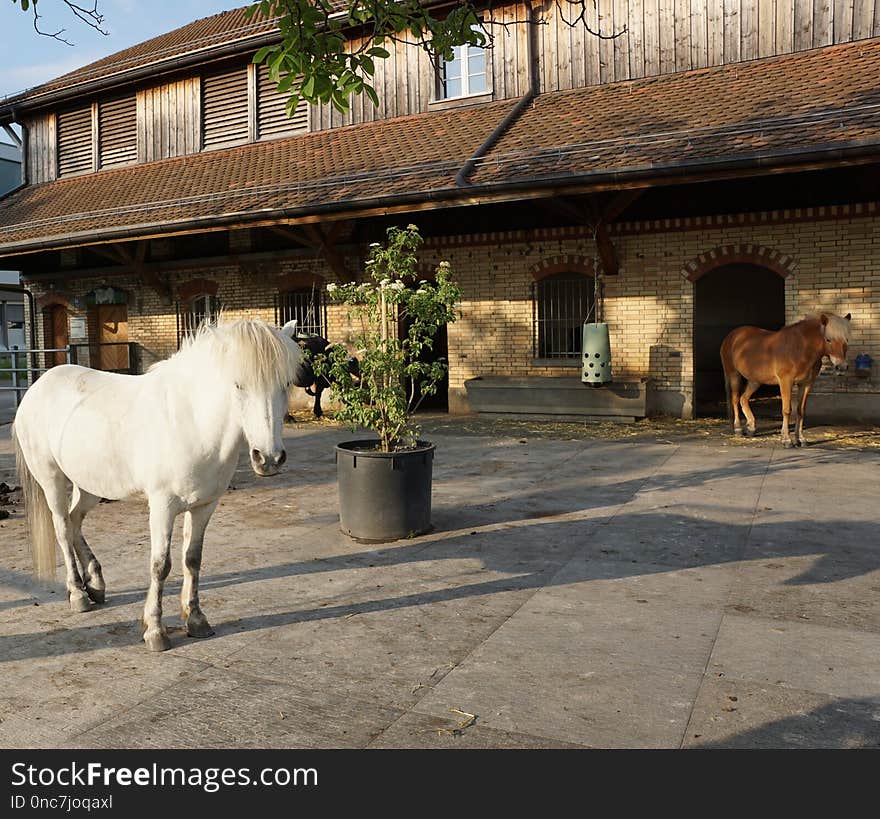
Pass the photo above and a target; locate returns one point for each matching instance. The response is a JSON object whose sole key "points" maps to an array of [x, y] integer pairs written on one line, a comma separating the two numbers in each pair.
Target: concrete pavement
{"points": [[572, 594]]}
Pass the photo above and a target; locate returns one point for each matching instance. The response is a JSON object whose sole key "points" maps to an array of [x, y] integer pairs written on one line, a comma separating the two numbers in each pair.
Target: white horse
{"points": [[172, 434]]}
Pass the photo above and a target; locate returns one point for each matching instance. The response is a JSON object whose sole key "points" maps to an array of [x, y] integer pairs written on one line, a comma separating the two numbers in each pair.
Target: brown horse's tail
{"points": [[41, 532]]}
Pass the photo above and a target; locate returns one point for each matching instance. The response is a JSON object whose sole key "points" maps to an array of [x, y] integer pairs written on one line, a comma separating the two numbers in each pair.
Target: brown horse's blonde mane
{"points": [[837, 327]]}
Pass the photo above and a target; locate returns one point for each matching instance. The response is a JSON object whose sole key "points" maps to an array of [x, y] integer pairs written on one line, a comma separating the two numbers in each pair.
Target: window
{"points": [[560, 305], [117, 132], [225, 108], [200, 309], [272, 119], [307, 306], [465, 74], [75, 141]]}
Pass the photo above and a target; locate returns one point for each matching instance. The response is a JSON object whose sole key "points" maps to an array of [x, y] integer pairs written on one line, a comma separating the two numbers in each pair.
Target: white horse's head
{"points": [[266, 362], [257, 363]]}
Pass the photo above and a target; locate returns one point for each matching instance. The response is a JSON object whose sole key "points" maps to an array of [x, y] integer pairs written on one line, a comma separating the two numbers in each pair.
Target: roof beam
{"points": [[324, 238]]}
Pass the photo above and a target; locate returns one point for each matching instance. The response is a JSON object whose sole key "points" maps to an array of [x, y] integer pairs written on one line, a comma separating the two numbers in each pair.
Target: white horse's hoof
{"points": [[97, 595], [738, 433], [80, 603], [197, 625], [787, 443], [157, 641]]}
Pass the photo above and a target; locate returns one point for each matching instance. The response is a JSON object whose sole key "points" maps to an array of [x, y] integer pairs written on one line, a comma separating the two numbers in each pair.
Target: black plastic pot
{"points": [[384, 495]]}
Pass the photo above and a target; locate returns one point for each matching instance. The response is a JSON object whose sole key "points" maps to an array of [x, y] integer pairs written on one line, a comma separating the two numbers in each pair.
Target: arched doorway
{"points": [[56, 334], [727, 297]]}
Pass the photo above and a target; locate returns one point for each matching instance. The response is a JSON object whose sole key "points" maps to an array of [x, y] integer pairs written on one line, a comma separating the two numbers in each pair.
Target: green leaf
{"points": [[264, 52], [371, 93]]}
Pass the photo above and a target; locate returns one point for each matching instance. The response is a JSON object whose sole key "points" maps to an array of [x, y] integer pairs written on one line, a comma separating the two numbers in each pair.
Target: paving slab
{"points": [[573, 593], [841, 662], [741, 714], [219, 709]]}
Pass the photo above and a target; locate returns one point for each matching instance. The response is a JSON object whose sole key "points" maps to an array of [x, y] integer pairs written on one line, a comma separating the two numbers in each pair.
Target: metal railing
{"points": [[23, 369]]}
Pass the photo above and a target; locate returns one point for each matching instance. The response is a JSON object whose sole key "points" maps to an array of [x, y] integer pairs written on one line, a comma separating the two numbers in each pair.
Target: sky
{"points": [[29, 59]]}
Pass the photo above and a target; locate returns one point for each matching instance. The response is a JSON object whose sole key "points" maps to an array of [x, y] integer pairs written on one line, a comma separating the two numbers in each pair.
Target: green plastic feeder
{"points": [[597, 354]]}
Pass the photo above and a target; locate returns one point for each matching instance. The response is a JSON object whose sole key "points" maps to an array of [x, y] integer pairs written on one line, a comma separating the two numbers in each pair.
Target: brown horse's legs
{"points": [[734, 383], [802, 408], [785, 386], [748, 392]]}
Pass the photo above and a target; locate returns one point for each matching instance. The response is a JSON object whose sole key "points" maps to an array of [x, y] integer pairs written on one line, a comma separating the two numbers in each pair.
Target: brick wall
{"points": [[829, 264]]}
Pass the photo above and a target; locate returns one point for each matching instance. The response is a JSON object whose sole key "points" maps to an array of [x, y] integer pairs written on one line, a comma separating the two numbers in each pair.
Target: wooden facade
{"points": [[235, 104]]}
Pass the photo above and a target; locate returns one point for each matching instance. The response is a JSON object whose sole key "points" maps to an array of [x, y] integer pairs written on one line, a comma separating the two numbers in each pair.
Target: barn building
{"points": [[716, 164]]}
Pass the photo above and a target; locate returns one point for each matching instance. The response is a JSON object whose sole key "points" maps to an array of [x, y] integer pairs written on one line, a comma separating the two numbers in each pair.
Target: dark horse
{"points": [[317, 346], [792, 355]]}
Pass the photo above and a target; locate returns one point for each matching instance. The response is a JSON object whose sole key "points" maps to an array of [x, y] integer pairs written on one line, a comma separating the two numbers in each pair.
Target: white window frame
{"points": [[462, 54]]}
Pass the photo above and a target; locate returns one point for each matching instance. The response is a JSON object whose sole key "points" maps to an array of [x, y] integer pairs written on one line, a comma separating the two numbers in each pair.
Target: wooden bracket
{"points": [[325, 240]]}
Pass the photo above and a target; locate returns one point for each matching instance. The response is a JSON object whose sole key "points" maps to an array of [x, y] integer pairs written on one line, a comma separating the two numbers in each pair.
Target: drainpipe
{"points": [[461, 178]]}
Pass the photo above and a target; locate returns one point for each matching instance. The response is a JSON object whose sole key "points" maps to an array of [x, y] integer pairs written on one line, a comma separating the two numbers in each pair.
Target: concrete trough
{"points": [[623, 398]]}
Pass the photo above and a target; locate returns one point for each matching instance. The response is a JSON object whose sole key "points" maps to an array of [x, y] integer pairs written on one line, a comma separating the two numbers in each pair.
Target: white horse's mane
{"points": [[253, 353]]}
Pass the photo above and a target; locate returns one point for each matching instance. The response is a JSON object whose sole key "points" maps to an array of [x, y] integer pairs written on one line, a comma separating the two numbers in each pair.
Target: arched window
{"points": [[561, 303], [307, 306], [204, 307]]}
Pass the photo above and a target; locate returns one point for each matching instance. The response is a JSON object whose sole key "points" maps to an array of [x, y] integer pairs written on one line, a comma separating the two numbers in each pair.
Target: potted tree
{"points": [[385, 482]]}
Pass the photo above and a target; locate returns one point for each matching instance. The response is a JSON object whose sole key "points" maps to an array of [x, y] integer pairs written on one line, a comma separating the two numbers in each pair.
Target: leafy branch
{"points": [[392, 377], [317, 62]]}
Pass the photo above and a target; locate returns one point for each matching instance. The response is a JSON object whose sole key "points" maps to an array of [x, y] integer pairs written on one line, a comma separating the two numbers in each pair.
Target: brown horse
{"points": [[792, 355]]}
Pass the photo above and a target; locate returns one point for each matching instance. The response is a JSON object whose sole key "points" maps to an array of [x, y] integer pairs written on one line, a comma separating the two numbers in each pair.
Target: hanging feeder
{"points": [[596, 355]]}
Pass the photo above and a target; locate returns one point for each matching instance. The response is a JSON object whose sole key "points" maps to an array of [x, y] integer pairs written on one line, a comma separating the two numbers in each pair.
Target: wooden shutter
{"points": [[272, 121], [169, 120], [75, 141], [117, 132], [42, 155], [225, 108]]}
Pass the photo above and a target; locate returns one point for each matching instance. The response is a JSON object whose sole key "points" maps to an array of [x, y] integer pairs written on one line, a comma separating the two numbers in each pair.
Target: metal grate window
{"points": [[201, 309], [307, 306], [560, 306]]}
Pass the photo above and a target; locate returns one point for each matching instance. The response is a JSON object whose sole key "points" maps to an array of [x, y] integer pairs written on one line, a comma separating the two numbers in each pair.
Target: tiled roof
{"points": [[200, 35], [825, 98], [413, 154], [762, 112]]}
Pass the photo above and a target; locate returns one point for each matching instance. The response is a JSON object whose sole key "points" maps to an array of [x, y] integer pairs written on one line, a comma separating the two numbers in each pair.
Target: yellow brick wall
{"points": [[648, 306]]}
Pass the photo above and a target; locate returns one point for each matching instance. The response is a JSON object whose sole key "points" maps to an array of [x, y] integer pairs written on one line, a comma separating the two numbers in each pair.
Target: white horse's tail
{"points": [[41, 531]]}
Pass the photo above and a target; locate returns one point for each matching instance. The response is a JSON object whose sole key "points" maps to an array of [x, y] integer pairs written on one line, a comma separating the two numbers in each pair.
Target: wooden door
{"points": [[112, 332], [56, 334]]}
